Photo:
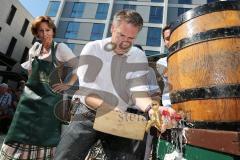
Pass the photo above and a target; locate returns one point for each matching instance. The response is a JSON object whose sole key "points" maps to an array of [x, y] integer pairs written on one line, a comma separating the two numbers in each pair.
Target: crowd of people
{"points": [[35, 132], [9, 98]]}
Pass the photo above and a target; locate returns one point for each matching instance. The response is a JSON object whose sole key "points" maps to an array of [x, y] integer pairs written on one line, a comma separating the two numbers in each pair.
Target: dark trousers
{"points": [[80, 136]]}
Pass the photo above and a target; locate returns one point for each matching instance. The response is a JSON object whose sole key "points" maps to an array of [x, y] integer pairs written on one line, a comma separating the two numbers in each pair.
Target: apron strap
{"points": [[55, 62], [54, 59]]}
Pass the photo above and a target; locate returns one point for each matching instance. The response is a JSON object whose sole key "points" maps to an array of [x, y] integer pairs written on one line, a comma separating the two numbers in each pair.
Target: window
{"points": [[129, 7], [77, 10], [71, 45], [151, 53], [11, 15], [72, 30], [102, 11], [182, 10], [210, 1], [185, 1], [53, 8], [97, 31], [11, 47], [156, 14], [24, 27], [25, 54], [154, 36], [156, 0]]}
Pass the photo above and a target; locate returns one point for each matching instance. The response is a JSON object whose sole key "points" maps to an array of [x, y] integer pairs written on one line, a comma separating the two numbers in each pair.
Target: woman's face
{"points": [[45, 33]]}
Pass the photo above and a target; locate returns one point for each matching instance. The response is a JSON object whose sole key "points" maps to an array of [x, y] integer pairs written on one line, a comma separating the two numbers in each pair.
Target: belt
{"points": [[83, 113]]}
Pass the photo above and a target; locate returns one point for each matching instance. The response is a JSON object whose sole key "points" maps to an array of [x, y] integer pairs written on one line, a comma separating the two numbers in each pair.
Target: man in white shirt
{"points": [[111, 73]]}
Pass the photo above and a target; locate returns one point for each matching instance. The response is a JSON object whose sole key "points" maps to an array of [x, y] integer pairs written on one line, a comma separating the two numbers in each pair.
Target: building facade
{"points": [[15, 37], [80, 21]]}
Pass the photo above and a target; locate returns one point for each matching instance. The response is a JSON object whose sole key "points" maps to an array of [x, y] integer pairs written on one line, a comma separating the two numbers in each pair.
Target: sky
{"points": [[35, 7]]}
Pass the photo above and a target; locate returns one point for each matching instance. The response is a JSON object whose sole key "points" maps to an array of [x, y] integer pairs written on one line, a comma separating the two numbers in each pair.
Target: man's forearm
{"points": [[93, 101]]}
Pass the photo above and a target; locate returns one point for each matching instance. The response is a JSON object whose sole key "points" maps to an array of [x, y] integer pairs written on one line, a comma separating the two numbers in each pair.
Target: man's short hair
{"points": [[129, 16]]}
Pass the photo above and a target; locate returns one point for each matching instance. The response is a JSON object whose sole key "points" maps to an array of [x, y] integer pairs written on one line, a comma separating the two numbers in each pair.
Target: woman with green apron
{"points": [[35, 131]]}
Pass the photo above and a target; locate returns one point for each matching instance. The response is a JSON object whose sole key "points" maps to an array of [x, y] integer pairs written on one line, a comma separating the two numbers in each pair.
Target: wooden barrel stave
{"points": [[193, 66]]}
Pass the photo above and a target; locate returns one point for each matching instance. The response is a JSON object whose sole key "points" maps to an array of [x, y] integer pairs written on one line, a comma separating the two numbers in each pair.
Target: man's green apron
{"points": [[34, 121]]}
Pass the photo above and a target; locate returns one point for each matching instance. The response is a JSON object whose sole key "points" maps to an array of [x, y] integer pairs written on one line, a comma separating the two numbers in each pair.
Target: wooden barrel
{"points": [[204, 65]]}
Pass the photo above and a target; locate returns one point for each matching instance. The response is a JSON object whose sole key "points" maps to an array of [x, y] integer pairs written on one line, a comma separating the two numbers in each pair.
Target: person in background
{"points": [[21, 85], [5, 98], [35, 131], [11, 108], [15, 98], [162, 67], [6, 110]]}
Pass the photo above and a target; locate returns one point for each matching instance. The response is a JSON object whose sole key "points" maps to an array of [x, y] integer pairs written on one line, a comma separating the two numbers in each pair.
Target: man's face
{"points": [[167, 37], [123, 36]]}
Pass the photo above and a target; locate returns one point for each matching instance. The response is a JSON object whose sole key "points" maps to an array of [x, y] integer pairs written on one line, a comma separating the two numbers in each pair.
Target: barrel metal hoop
{"points": [[205, 9], [212, 92], [220, 33]]}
